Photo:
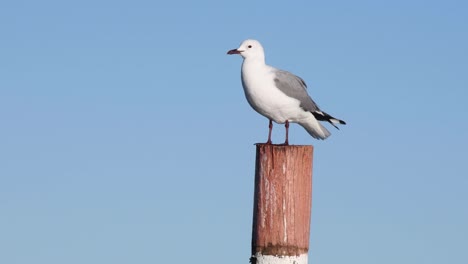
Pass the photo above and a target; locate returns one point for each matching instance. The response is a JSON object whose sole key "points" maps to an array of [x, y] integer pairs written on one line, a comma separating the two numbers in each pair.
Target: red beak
{"points": [[233, 51]]}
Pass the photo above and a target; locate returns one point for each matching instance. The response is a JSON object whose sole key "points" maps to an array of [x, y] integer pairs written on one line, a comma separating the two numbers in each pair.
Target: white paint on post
{"points": [[268, 259], [285, 222]]}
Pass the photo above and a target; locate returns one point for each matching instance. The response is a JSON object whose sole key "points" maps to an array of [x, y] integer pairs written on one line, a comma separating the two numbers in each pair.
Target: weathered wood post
{"points": [[282, 204]]}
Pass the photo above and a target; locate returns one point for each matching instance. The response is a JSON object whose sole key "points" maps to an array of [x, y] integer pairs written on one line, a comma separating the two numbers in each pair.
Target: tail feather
{"points": [[315, 129]]}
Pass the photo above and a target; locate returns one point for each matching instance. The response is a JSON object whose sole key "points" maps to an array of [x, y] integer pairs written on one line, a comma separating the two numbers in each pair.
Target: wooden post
{"points": [[282, 204]]}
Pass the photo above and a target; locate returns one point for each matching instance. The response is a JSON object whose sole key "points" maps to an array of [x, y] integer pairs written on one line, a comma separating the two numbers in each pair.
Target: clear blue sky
{"points": [[125, 136]]}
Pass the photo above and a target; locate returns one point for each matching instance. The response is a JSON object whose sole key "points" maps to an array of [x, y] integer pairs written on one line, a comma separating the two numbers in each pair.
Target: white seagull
{"points": [[279, 95]]}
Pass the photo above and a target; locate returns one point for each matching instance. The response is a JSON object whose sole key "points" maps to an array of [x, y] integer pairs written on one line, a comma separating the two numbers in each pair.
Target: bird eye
{"points": [[250, 46]]}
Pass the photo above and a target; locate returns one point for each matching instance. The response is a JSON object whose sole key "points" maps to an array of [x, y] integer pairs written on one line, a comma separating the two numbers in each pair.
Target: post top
{"points": [[282, 147]]}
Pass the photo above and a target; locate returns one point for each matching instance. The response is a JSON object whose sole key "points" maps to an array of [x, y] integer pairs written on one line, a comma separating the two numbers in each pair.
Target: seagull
{"points": [[279, 95]]}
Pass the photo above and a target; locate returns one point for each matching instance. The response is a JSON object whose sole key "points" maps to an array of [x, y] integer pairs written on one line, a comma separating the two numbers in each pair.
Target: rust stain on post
{"points": [[282, 200]]}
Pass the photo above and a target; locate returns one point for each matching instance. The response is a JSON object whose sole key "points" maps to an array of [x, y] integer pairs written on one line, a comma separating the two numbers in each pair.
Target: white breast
{"points": [[265, 98]]}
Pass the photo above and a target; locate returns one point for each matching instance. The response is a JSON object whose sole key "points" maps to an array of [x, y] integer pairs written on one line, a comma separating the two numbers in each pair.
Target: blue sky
{"points": [[125, 136]]}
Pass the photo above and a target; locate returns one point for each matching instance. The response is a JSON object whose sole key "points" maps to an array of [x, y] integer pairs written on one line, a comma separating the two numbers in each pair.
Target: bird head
{"points": [[249, 49]]}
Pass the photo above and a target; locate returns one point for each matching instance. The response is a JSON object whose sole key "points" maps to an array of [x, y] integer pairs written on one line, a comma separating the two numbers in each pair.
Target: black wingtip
{"points": [[322, 116]]}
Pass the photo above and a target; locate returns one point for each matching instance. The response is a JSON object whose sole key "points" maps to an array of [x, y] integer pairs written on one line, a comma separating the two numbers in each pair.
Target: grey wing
{"points": [[294, 86]]}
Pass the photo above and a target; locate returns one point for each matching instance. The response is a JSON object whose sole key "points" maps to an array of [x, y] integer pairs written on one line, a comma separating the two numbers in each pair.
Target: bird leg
{"points": [[270, 126], [286, 125]]}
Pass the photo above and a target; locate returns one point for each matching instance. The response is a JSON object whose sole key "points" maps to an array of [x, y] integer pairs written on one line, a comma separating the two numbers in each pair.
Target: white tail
{"points": [[314, 128]]}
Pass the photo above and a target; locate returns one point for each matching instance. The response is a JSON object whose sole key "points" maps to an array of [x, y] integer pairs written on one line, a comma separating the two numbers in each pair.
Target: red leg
{"points": [[286, 125], [270, 126]]}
